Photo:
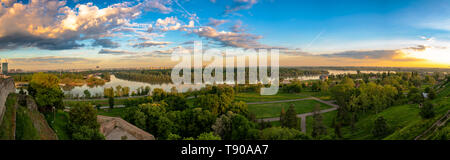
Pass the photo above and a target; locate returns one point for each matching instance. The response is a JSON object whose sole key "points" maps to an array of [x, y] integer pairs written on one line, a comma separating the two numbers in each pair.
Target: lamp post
{"points": [[54, 115]]}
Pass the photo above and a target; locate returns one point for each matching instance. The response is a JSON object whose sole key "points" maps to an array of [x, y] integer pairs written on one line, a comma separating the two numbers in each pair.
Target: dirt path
{"points": [[100, 99], [282, 101], [435, 125], [303, 115]]}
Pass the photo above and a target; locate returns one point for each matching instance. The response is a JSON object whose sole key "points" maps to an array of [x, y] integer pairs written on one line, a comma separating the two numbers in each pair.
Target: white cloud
{"points": [[49, 24]]}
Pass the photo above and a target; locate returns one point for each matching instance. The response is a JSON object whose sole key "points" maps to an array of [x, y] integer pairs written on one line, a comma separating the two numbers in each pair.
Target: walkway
{"points": [[303, 115]]}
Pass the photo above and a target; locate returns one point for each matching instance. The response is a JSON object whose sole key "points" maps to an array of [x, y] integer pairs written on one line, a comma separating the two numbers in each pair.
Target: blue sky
{"points": [[85, 33]]}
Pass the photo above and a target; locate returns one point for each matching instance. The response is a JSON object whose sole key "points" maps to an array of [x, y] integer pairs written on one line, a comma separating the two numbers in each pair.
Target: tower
{"points": [[5, 67]]}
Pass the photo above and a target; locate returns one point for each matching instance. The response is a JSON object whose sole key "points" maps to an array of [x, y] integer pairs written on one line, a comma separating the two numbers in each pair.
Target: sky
{"points": [[83, 34]]}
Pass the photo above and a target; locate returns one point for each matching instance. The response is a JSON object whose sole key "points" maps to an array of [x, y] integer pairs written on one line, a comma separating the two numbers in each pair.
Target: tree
{"points": [[208, 136], [337, 128], [380, 128], [324, 87], [87, 94], [232, 126], [45, 90], [192, 122], [126, 91], [83, 123], [279, 133], [294, 87], [222, 126], [427, 110], [176, 103], [282, 117], [151, 117], [291, 120], [111, 102], [318, 127], [415, 96], [158, 94], [431, 93], [239, 108], [108, 92], [119, 91], [315, 86]]}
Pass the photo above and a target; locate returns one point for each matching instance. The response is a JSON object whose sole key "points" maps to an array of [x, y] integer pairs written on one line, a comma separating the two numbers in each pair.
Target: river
{"points": [[98, 90]]}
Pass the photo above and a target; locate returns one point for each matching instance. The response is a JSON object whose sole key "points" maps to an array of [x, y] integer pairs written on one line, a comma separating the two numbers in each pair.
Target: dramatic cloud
{"points": [[105, 43], [232, 39], [49, 24], [170, 24], [388, 55], [50, 60], [149, 44], [294, 52], [375, 54], [240, 5], [161, 6], [392, 55], [418, 48], [237, 27], [216, 22], [115, 52]]}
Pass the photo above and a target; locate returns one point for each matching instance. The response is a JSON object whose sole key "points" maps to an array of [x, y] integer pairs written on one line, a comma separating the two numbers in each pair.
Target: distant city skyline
{"points": [[83, 34]]}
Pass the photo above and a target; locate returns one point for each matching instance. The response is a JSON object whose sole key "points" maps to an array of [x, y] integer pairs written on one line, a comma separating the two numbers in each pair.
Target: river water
{"points": [[98, 90], [114, 82]]}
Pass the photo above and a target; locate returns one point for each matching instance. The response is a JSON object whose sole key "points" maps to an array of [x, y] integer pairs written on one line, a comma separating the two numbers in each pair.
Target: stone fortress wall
{"points": [[6, 87]]}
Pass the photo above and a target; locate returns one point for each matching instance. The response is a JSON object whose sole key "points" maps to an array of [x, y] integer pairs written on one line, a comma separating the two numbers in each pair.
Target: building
{"points": [[5, 67], [323, 77]]}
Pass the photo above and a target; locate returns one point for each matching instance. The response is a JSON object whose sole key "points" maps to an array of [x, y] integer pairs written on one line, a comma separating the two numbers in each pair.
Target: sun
{"points": [[432, 54]]}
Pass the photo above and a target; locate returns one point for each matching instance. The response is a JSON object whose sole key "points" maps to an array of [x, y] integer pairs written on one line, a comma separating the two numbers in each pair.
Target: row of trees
{"points": [[360, 98], [82, 120], [119, 91], [214, 115], [148, 76]]}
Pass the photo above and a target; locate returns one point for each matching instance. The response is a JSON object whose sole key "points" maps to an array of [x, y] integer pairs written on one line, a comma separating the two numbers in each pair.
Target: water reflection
{"points": [[114, 82], [78, 91]]}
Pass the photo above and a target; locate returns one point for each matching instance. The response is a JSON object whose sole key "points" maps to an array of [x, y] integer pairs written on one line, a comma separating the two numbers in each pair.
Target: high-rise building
{"points": [[5, 67]]}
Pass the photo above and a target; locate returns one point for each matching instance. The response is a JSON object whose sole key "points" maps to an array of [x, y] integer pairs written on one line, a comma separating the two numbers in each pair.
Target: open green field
{"points": [[59, 124], [25, 129], [256, 97], [397, 117], [404, 122], [94, 102], [327, 120], [7, 128], [274, 109], [115, 112], [415, 128]]}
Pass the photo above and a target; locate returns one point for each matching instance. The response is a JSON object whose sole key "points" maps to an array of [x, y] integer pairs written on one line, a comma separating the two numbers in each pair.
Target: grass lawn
{"points": [[24, 126], [115, 112], [417, 127], [256, 97], [60, 124], [327, 120], [7, 127], [274, 109], [93, 102], [397, 117]]}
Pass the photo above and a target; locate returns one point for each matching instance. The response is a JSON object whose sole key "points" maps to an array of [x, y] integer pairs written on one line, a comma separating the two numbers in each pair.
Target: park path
{"points": [[303, 115], [440, 122], [99, 99]]}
